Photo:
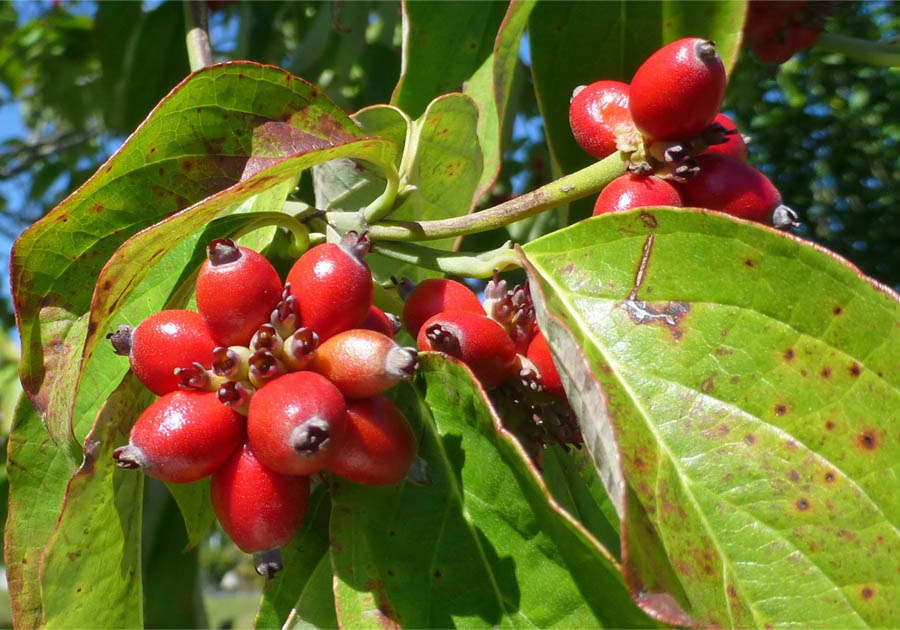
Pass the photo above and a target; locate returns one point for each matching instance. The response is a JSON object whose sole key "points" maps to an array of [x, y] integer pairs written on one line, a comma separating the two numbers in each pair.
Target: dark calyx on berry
{"points": [[222, 251], [311, 436]]}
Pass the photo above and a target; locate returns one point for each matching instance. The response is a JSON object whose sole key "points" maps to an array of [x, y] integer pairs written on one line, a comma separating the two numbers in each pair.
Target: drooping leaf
{"points": [[301, 595], [751, 382], [577, 43], [232, 121], [481, 544], [37, 473], [94, 554]]}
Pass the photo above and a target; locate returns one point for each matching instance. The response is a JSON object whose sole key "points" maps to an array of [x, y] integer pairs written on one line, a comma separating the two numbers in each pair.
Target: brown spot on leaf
{"points": [[868, 440], [837, 310], [731, 591], [437, 573], [78, 590], [161, 171], [735, 380], [855, 370], [748, 262], [794, 475], [829, 425], [649, 220], [802, 504], [829, 477], [97, 208], [826, 372], [780, 409], [708, 385], [789, 354], [722, 351], [750, 439], [867, 592]]}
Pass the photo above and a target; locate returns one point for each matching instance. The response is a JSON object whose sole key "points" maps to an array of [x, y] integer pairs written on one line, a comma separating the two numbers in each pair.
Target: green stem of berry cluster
{"points": [[197, 38], [564, 190], [880, 53], [300, 239], [455, 263]]}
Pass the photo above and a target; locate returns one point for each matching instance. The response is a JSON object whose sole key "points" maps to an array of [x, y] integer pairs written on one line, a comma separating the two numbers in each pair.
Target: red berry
{"points": [[182, 437], [765, 18], [294, 422], [333, 286], [363, 363], [676, 93], [730, 185], [434, 296], [258, 508], [378, 446], [734, 144], [634, 191], [539, 354], [476, 340], [237, 289], [163, 342], [378, 320], [596, 112]]}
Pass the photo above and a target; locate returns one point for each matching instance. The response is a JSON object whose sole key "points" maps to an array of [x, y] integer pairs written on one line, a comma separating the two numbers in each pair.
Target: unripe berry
{"points": [[596, 112], [237, 289], [734, 144], [295, 421], [378, 446], [730, 185], [434, 296], [182, 437], [258, 508], [362, 363], [333, 286], [677, 91], [476, 340], [634, 191], [163, 342], [539, 354]]}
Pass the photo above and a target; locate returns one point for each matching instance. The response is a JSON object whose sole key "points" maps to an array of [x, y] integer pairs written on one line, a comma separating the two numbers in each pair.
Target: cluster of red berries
{"points": [[682, 150], [269, 383], [499, 341], [776, 29]]}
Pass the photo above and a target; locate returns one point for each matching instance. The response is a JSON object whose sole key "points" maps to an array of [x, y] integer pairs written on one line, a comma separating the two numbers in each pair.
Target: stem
{"points": [[197, 38], [383, 206], [880, 53], [455, 263], [299, 231], [570, 188]]}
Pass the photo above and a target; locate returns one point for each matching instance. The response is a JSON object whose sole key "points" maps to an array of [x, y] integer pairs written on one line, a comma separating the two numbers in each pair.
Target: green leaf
{"points": [[481, 544], [300, 595], [233, 122], [444, 44], [94, 555], [577, 43], [750, 380], [37, 473]]}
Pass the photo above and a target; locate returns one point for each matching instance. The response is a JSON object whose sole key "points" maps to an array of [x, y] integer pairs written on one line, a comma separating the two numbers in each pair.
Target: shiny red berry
{"points": [[539, 354], [434, 296], [378, 446], [294, 422], [163, 342], [381, 322], [476, 340], [260, 509], [596, 112], [363, 363], [730, 185], [734, 144], [182, 437], [237, 289], [677, 91], [333, 286], [634, 191]]}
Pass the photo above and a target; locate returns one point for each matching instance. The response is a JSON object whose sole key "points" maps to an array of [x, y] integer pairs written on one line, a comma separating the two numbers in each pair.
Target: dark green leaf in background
{"points": [[752, 383]]}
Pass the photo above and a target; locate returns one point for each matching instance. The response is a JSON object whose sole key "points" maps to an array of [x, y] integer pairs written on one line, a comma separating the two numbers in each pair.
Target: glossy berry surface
{"points": [[182, 437], [295, 421], [377, 320], [633, 191], [258, 508], [596, 112], [476, 340], [333, 286], [434, 296], [539, 354], [378, 446], [363, 363], [237, 289], [734, 144], [677, 91], [730, 185], [165, 341]]}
